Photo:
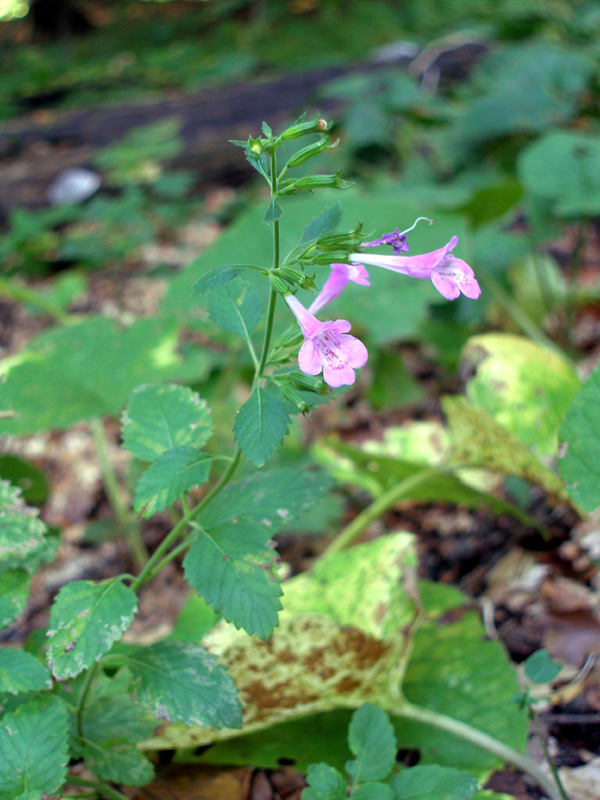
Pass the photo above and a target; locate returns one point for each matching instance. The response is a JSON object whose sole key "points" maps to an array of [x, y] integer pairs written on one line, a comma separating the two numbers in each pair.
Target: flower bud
{"points": [[279, 284], [310, 182], [256, 149], [330, 257], [311, 150], [293, 397], [302, 128]]}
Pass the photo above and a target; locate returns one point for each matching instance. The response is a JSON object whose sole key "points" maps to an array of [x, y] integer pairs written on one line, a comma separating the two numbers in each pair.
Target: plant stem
{"points": [[481, 739], [87, 682], [576, 261], [536, 724], [101, 787], [25, 294], [272, 294], [377, 508], [128, 526], [148, 569]]}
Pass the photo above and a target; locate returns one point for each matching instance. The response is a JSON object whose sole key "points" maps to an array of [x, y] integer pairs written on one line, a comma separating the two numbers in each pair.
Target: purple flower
{"points": [[398, 239], [328, 347], [450, 275], [336, 283]]}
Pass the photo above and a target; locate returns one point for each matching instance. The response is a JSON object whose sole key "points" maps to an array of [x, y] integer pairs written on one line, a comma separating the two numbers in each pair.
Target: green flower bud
{"points": [[279, 284], [311, 182], [302, 128], [311, 150], [330, 257], [293, 397]]}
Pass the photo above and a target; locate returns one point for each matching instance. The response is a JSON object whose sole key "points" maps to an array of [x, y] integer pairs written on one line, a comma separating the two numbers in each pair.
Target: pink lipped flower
{"points": [[328, 347], [450, 275], [336, 283]]}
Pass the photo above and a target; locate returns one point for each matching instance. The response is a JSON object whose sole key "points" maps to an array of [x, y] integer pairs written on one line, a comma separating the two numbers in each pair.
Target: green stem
{"points": [[273, 293], [101, 787], [181, 547], [535, 722], [128, 526], [377, 508], [476, 737], [576, 261], [24, 294], [87, 682], [148, 570]]}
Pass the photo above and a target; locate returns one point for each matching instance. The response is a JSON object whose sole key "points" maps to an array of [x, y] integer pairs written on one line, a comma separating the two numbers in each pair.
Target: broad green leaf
{"points": [[374, 790], [216, 277], [32, 481], [21, 532], [324, 783], [525, 387], [453, 669], [539, 667], [232, 567], [85, 619], [336, 586], [326, 222], [22, 672], [118, 760], [273, 212], [112, 726], [174, 472], [182, 682], [260, 425], [573, 185], [580, 446], [348, 664], [237, 308], [433, 783], [372, 740], [195, 619], [159, 418], [479, 441], [14, 591], [274, 498], [89, 369], [376, 466], [33, 749]]}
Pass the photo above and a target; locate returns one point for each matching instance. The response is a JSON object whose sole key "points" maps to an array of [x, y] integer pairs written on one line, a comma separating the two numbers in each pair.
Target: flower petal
{"points": [[445, 286], [309, 359], [355, 352], [336, 373]]}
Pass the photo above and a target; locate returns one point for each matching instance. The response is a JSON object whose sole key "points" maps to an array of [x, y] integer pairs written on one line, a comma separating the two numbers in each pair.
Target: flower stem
{"points": [[87, 682], [377, 508], [25, 294], [457, 728], [128, 526]]}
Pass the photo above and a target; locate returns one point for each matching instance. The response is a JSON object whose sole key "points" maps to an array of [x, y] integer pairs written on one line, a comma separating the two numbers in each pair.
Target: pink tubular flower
{"points": [[450, 275], [336, 283], [328, 347]]}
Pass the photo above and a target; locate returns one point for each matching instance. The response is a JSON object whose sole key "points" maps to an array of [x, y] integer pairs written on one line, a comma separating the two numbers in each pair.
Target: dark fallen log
{"points": [[35, 148]]}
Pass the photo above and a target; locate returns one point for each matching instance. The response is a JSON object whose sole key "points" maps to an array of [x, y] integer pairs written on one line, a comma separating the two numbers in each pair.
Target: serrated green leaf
{"points": [[116, 759], [14, 591], [237, 308], [22, 672], [433, 783], [260, 425], [178, 681], [232, 567], [216, 277], [274, 498], [266, 129], [324, 783], [174, 472], [523, 386], [33, 749], [374, 790], [540, 668], [327, 221], [161, 417], [372, 740], [273, 212], [85, 619], [89, 369], [580, 445], [21, 532]]}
